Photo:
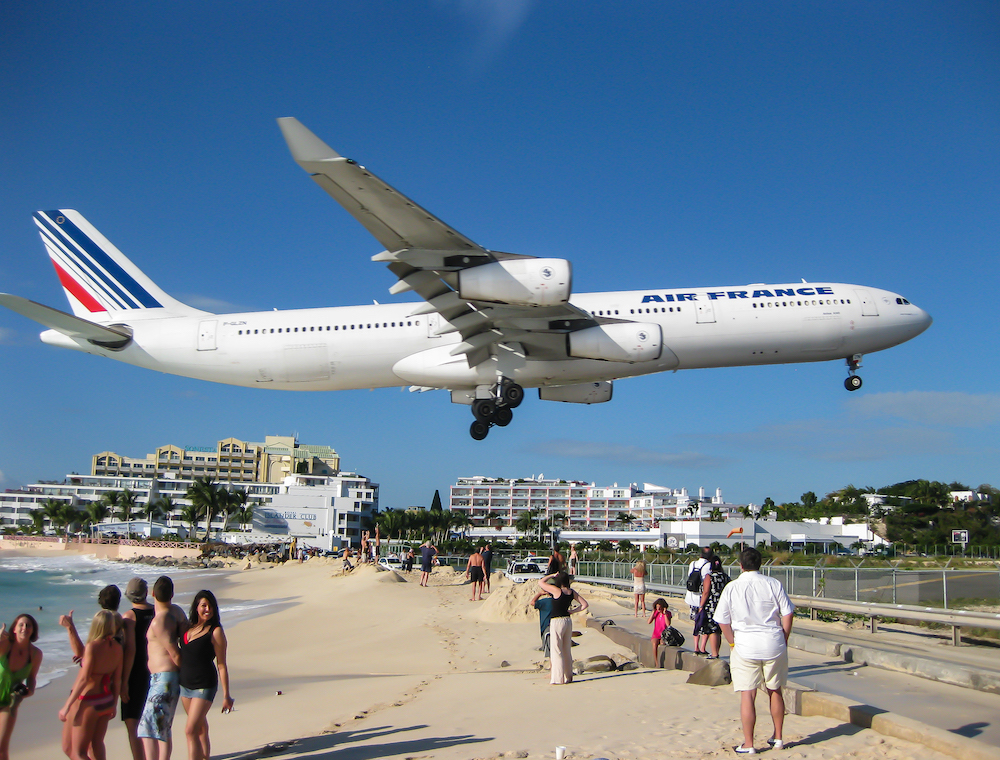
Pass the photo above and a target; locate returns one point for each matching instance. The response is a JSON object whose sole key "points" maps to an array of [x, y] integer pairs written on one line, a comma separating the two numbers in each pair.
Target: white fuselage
{"points": [[381, 346]]}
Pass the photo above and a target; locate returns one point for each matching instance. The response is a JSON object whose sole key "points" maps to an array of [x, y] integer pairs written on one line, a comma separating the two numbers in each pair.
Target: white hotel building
{"points": [[326, 511], [584, 506]]}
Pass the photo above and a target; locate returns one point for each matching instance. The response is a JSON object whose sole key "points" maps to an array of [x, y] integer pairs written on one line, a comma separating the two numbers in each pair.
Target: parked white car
{"points": [[390, 563], [521, 571]]}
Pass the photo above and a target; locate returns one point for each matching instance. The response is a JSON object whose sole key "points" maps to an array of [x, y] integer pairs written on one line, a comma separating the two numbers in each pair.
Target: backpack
{"points": [[694, 580], [672, 637]]}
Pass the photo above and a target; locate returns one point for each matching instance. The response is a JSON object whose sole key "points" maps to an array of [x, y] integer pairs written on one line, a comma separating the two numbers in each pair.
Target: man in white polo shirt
{"points": [[755, 615]]}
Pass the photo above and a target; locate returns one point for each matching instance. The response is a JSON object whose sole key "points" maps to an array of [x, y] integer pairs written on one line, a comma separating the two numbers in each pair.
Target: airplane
{"points": [[489, 325]]}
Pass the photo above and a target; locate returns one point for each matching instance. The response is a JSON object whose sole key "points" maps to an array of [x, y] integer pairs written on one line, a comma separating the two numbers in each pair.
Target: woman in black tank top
{"points": [[203, 670], [561, 625]]}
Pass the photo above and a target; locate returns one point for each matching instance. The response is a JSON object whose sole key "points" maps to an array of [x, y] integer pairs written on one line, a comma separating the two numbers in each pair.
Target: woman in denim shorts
{"points": [[203, 669]]}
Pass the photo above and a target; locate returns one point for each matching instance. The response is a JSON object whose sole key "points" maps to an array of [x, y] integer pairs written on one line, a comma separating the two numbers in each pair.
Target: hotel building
{"points": [[231, 460], [583, 506]]}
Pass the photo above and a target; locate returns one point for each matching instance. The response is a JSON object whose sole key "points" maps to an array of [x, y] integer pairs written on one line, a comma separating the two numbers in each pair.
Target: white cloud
{"points": [[617, 453], [949, 409], [495, 23], [835, 442]]}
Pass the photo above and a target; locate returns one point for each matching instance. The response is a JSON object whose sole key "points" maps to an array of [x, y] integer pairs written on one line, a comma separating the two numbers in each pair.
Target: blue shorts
{"points": [[207, 694], [161, 703]]}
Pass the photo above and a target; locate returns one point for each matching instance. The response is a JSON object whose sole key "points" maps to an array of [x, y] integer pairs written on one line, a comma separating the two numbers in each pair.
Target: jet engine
{"points": [[622, 342], [522, 282]]}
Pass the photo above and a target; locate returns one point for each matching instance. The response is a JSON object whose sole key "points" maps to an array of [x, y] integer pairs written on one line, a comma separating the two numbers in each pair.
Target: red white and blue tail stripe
{"points": [[98, 279]]}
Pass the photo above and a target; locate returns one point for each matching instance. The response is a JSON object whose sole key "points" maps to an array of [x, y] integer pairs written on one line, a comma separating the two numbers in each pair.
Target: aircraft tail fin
{"points": [[100, 282]]}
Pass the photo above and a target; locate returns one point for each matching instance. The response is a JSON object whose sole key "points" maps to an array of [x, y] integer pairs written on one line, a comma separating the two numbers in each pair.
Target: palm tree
{"points": [[54, 510], [625, 518], [127, 509], [525, 522], [209, 497], [191, 514], [235, 504], [716, 515], [96, 512], [37, 521], [157, 508], [245, 515], [460, 520]]}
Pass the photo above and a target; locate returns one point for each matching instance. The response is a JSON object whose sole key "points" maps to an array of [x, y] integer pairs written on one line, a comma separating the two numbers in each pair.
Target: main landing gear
{"points": [[853, 382], [497, 410]]}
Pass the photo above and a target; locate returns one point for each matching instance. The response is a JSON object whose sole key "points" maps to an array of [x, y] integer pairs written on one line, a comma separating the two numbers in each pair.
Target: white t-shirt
{"points": [[753, 605], [692, 598]]}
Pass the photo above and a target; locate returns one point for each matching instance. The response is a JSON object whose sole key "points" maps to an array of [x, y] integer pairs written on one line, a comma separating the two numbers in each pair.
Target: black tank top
{"points": [[197, 666], [140, 665], [560, 606]]}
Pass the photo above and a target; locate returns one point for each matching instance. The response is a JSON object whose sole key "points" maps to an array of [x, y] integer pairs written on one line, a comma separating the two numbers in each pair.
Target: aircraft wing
{"points": [[394, 220], [65, 323], [426, 255]]}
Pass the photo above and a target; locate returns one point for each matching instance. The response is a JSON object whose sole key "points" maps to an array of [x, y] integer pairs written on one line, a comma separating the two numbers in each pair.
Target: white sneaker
{"points": [[741, 750], [776, 743]]}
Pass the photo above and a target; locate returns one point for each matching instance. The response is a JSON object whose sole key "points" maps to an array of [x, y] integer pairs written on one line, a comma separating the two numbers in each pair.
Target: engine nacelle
{"points": [[523, 282], [584, 393], [623, 342]]}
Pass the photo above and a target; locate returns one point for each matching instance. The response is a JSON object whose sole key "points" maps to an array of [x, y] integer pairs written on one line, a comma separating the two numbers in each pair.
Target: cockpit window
{"points": [[902, 302]]}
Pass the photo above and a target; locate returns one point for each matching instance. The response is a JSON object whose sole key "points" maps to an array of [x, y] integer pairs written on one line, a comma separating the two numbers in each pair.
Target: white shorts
{"points": [[750, 675]]}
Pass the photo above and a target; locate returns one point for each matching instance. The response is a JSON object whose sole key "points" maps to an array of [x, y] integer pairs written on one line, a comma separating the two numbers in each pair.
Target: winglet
{"points": [[303, 144]]}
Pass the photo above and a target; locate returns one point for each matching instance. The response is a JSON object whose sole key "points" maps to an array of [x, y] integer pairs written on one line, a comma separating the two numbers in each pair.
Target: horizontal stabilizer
{"points": [[67, 324]]}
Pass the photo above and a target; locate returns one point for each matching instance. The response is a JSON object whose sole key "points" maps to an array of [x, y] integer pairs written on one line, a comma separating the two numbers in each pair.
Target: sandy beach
{"points": [[371, 665]]}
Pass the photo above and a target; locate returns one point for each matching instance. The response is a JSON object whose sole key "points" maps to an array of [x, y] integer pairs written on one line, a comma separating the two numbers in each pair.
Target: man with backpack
{"points": [[698, 570]]}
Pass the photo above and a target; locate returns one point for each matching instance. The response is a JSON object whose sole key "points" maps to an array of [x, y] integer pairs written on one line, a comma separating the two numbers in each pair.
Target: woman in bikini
{"points": [[203, 642], [93, 700], [19, 663]]}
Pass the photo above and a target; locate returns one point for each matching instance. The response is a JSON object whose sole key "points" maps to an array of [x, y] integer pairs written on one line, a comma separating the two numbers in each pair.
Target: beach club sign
{"points": [[288, 521]]}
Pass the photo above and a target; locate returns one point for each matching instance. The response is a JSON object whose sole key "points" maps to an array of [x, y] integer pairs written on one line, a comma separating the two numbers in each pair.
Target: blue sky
{"points": [[652, 144]]}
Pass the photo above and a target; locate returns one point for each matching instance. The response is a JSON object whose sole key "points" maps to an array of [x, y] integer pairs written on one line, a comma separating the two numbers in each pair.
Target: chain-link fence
{"points": [[947, 588]]}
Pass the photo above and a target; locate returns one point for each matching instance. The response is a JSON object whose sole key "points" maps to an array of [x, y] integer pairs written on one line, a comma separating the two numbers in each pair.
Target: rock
{"points": [[600, 663], [504, 664], [629, 665], [712, 673]]}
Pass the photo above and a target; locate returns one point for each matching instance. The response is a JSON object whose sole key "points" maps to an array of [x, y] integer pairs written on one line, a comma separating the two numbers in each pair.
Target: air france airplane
{"points": [[490, 324]]}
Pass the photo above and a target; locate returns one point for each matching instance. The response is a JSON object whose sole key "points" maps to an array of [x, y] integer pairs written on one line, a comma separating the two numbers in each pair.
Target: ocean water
{"points": [[47, 587]]}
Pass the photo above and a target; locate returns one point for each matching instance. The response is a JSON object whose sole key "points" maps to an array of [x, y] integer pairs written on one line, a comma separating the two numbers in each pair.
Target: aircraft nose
{"points": [[920, 320]]}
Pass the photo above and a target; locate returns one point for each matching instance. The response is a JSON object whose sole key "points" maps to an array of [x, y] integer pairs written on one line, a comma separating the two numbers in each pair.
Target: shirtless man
{"points": [[474, 571], [157, 718]]}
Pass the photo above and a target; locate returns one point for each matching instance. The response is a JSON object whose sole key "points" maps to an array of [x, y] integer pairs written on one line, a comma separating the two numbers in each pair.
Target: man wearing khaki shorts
{"points": [[755, 615]]}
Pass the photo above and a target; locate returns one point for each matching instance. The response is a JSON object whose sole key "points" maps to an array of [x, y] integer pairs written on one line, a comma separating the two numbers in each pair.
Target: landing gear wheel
{"points": [[484, 409], [513, 395], [503, 416], [479, 430], [852, 383]]}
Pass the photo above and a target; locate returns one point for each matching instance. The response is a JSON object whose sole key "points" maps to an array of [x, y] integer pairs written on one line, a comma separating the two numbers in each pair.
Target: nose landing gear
{"points": [[498, 410], [853, 382]]}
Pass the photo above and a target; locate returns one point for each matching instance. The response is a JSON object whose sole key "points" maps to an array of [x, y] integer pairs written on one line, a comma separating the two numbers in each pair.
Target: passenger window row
{"points": [[820, 302], [328, 328]]}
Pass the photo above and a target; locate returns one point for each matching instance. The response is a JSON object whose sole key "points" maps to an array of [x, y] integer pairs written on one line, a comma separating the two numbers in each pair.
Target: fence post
{"points": [[894, 585], [857, 584], [944, 585]]}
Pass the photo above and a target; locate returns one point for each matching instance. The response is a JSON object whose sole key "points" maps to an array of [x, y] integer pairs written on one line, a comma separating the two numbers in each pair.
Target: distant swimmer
{"points": [[474, 571]]}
